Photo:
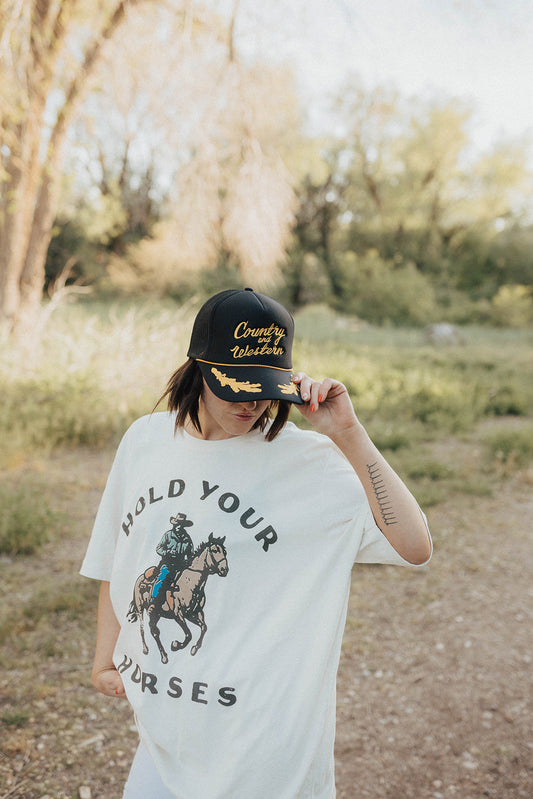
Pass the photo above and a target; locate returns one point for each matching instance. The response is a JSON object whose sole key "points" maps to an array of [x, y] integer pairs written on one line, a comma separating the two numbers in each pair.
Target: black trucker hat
{"points": [[242, 342]]}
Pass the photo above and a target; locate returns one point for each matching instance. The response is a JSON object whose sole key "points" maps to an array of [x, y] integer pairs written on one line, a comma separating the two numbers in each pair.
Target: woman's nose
{"points": [[250, 405]]}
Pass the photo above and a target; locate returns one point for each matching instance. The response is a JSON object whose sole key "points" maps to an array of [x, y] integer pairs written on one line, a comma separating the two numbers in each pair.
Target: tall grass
{"points": [[510, 447], [101, 364], [26, 520], [98, 366], [396, 376]]}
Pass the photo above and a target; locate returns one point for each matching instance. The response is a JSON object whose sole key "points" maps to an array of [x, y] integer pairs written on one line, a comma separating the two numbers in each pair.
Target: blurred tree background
{"points": [[142, 152]]}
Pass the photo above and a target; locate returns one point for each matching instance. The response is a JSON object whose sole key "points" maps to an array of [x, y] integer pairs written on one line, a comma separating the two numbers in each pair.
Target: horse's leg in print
{"points": [[153, 618], [178, 615], [143, 639], [200, 621]]}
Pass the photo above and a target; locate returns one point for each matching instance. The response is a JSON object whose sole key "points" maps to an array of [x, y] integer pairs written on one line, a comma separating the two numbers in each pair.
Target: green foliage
{"points": [[507, 400], [100, 366], [511, 446], [512, 306], [395, 222], [47, 412], [433, 479], [103, 364], [71, 599], [26, 521], [403, 187], [381, 292], [394, 377], [69, 245], [459, 308], [413, 398], [15, 718]]}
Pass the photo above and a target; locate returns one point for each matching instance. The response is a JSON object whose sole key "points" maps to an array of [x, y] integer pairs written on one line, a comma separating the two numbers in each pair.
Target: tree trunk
{"points": [[30, 191], [23, 177], [33, 273], [28, 216]]}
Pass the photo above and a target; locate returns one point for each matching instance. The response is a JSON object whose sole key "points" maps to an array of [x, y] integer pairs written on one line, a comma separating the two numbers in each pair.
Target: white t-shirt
{"points": [[277, 526]]}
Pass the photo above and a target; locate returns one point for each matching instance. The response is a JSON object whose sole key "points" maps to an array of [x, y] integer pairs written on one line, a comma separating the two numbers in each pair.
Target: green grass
{"points": [[395, 376], [97, 368], [26, 521], [511, 446], [71, 600], [15, 718], [51, 603], [101, 364]]}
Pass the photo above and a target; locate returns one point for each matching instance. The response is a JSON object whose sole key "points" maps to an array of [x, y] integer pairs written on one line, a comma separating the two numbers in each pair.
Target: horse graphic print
{"points": [[176, 588]]}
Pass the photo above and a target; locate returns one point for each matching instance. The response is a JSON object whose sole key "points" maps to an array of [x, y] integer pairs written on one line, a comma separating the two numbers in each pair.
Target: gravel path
{"points": [[434, 689]]}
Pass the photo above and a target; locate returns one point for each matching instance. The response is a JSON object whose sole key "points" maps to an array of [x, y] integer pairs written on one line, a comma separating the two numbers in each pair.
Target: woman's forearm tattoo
{"points": [[380, 492]]}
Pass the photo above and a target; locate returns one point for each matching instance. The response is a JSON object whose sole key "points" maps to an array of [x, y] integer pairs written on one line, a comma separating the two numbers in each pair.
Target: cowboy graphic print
{"points": [[175, 589]]}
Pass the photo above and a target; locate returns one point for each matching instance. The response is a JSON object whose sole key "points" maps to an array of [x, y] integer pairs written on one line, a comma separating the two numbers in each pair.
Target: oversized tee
{"points": [[238, 699]]}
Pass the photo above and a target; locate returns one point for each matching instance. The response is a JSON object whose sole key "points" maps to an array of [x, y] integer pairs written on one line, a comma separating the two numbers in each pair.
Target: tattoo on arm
{"points": [[381, 495]]}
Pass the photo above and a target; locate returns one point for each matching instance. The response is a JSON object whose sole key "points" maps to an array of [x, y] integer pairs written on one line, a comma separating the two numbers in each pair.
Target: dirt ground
{"points": [[434, 687]]}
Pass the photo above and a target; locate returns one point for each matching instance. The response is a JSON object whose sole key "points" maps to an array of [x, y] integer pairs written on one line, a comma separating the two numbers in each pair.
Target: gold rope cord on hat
{"points": [[247, 365]]}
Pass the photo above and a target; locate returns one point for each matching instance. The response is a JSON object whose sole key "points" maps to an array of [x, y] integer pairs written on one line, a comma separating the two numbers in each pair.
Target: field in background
{"points": [[443, 652], [447, 417]]}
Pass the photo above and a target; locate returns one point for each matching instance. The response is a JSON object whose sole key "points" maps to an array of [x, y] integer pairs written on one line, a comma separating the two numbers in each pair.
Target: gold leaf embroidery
{"points": [[288, 388], [236, 385]]}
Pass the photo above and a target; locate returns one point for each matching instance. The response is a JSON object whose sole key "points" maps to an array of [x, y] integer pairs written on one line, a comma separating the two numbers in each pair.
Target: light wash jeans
{"points": [[143, 781]]}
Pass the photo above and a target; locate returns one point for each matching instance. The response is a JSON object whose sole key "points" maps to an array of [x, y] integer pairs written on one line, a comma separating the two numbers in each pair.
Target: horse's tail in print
{"points": [[143, 583], [134, 608]]}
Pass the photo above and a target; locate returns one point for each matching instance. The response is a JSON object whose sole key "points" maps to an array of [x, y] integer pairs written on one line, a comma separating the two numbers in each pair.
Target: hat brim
{"points": [[246, 383], [181, 522]]}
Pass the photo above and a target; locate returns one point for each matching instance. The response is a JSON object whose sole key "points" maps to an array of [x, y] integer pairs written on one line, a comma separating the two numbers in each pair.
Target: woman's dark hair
{"points": [[183, 393]]}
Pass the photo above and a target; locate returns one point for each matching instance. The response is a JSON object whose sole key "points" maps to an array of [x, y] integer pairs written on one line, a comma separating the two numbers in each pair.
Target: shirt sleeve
{"points": [[98, 560]]}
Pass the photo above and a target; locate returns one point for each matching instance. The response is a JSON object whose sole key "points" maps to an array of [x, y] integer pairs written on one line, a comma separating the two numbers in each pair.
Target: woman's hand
{"points": [[327, 404], [109, 682], [105, 677]]}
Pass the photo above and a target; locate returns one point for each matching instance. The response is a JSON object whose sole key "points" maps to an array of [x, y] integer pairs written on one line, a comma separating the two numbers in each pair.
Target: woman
{"points": [[231, 668]]}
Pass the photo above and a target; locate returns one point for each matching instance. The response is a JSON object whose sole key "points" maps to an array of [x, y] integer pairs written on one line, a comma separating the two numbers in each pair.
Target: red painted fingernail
{"points": [[312, 408], [320, 397]]}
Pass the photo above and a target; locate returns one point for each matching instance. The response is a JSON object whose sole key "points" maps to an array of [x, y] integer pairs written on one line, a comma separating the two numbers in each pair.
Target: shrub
{"points": [[97, 366], [429, 468], [459, 308], [26, 521], [507, 401], [381, 292], [512, 306], [69, 599], [15, 718], [511, 446], [42, 413]]}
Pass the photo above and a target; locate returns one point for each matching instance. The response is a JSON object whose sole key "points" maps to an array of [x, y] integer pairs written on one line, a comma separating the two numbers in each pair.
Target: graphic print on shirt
{"points": [[175, 589]]}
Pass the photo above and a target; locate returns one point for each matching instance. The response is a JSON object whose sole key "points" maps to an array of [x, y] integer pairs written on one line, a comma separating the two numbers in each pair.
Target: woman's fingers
{"points": [[312, 391], [109, 682]]}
